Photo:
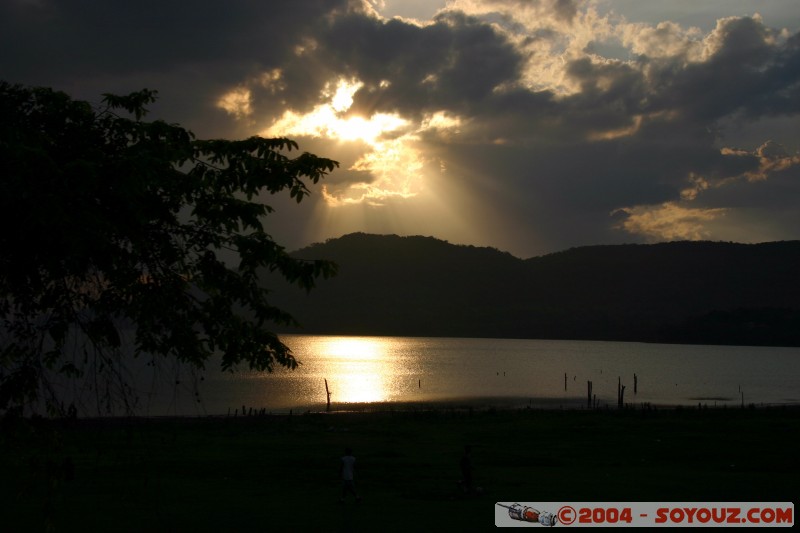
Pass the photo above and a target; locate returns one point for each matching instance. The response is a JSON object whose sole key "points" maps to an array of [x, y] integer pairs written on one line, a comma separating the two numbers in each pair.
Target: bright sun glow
{"points": [[330, 119], [392, 166]]}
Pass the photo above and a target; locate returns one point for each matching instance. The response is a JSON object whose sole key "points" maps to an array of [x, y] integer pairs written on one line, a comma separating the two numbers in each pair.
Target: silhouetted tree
{"points": [[113, 225]]}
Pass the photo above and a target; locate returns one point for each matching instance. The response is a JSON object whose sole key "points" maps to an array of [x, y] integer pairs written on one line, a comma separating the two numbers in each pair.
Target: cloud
{"points": [[668, 221], [544, 115], [772, 157], [237, 102], [665, 40]]}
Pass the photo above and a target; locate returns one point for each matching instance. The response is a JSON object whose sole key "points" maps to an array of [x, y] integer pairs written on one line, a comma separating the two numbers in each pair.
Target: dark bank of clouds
{"points": [[561, 144], [190, 52], [85, 38], [453, 63]]}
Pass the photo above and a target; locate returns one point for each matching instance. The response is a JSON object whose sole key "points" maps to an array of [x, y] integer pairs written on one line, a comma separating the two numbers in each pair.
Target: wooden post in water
{"points": [[589, 383], [565, 381], [328, 392], [635, 383]]}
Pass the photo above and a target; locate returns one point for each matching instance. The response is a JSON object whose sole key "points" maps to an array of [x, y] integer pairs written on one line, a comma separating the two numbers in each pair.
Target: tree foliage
{"points": [[112, 226]]}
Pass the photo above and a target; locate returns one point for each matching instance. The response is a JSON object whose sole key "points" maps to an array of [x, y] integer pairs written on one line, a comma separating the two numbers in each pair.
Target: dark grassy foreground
{"points": [[279, 473]]}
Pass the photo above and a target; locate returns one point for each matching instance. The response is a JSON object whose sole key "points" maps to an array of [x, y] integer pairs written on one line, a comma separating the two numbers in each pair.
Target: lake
{"points": [[502, 372]]}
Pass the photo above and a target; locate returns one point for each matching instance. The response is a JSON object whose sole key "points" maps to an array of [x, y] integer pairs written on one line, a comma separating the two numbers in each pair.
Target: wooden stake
{"points": [[328, 392]]}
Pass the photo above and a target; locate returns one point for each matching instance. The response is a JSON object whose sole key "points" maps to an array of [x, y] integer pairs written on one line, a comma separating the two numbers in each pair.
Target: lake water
{"points": [[503, 372]]}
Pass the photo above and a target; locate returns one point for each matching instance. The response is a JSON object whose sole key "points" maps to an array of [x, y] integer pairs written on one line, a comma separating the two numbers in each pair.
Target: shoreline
{"points": [[503, 405]]}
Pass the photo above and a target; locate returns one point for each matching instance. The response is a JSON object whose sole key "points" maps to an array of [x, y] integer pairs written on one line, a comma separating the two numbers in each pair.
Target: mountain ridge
{"points": [[681, 291]]}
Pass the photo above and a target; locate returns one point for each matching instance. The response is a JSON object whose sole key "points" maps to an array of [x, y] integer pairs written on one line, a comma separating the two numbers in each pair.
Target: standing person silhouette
{"points": [[346, 470]]}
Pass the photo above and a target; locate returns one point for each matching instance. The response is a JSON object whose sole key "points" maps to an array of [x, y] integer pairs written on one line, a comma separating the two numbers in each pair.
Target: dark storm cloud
{"points": [[746, 74], [453, 63], [84, 37], [190, 52]]}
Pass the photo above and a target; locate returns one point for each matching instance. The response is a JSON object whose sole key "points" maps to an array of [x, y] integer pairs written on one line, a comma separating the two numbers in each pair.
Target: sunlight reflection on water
{"points": [[361, 367], [516, 372], [358, 369]]}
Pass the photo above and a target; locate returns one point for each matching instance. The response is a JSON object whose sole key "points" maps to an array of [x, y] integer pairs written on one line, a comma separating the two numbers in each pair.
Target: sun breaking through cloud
{"points": [[540, 118], [392, 165]]}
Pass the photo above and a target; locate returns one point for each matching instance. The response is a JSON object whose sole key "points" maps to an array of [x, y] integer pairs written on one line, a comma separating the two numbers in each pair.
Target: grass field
{"points": [[280, 473]]}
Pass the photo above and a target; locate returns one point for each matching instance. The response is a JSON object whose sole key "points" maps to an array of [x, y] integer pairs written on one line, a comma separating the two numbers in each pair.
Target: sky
{"points": [[531, 126]]}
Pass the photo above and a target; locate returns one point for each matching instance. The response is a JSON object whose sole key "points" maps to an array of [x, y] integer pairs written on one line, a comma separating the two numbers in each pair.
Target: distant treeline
{"points": [[684, 292]]}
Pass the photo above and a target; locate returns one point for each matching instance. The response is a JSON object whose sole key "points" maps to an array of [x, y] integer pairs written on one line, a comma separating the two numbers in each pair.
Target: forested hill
{"points": [[691, 292]]}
